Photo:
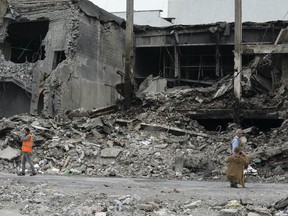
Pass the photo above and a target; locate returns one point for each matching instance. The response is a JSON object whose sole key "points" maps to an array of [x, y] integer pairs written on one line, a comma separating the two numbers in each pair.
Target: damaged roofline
{"points": [[94, 11], [205, 27]]}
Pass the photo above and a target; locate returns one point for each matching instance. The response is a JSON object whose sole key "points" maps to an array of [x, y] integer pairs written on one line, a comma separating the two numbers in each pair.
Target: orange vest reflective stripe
{"points": [[27, 145]]}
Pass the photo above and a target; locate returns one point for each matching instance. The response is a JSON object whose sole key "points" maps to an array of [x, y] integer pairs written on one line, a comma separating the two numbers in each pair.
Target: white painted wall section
{"points": [[190, 12], [149, 17]]}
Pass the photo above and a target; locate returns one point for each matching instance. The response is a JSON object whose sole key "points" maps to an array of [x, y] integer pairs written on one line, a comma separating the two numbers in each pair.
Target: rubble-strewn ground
{"points": [[150, 140], [75, 195]]}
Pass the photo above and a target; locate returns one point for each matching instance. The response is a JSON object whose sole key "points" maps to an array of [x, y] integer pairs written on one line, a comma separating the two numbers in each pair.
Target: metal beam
{"points": [[265, 49]]}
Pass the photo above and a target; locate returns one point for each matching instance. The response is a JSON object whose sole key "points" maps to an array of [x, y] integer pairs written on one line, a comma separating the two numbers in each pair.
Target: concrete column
{"points": [[217, 55], [128, 52], [238, 49], [176, 59], [35, 91]]}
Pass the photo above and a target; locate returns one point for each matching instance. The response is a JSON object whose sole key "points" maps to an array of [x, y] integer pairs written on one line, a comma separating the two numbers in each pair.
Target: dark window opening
{"points": [[148, 61], [59, 56], [40, 103], [25, 41], [215, 124], [222, 124]]}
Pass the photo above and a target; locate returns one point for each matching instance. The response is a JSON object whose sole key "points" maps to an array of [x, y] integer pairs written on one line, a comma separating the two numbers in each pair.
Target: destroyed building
{"points": [[186, 74], [203, 56], [58, 55], [73, 56]]}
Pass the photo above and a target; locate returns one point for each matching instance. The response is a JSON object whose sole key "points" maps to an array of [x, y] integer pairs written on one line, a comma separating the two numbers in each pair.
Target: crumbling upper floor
{"points": [[53, 48]]}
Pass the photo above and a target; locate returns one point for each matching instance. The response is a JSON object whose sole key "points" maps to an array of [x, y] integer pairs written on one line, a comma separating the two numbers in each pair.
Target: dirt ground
{"points": [[80, 195]]}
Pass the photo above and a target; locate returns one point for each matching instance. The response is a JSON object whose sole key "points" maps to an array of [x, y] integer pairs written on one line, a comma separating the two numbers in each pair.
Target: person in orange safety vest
{"points": [[27, 143]]}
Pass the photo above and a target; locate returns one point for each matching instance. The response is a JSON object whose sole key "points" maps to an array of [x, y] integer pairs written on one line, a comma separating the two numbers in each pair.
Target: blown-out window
{"points": [[25, 41]]}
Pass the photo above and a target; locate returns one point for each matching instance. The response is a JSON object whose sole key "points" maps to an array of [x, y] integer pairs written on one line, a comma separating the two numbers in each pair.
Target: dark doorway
{"points": [[215, 124], [14, 100], [40, 103]]}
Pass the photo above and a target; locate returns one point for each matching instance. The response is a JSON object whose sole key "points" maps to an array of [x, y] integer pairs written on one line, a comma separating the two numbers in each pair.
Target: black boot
{"points": [[233, 185]]}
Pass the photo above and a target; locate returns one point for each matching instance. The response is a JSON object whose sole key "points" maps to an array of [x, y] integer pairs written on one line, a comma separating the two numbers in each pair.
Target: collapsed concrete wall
{"points": [[73, 49], [100, 51], [3, 8]]}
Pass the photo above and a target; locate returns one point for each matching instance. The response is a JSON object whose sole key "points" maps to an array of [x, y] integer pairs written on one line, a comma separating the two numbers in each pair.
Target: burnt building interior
{"points": [[196, 54], [202, 55]]}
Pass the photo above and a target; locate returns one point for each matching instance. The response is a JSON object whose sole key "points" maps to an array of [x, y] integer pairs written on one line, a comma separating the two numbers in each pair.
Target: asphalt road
{"points": [[213, 193]]}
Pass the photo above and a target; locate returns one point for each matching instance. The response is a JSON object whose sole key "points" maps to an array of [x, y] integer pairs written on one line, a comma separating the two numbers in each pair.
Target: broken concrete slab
{"points": [[223, 89], [110, 152], [230, 212], [102, 111], [156, 85], [39, 127], [281, 204], [5, 127], [9, 153]]}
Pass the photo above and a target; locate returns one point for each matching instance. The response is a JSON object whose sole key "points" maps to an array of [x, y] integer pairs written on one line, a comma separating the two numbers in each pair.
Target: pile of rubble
{"points": [[152, 139], [19, 73], [146, 141]]}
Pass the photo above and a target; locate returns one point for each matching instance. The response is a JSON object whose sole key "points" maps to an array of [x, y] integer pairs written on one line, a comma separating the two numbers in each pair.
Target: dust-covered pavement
{"points": [[80, 195]]}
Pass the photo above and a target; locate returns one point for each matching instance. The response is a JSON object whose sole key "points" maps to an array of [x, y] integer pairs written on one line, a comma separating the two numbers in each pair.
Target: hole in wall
{"points": [[14, 99], [222, 124], [25, 41], [40, 103], [59, 56]]}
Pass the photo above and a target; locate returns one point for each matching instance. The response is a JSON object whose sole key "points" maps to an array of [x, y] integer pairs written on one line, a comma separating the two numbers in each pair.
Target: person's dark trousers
{"points": [[26, 156]]}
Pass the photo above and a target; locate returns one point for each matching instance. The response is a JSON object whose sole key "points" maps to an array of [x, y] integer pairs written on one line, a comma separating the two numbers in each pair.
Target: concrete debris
{"points": [[110, 152], [69, 147], [230, 212], [174, 147], [250, 170], [193, 204], [157, 138], [281, 204], [9, 153]]}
